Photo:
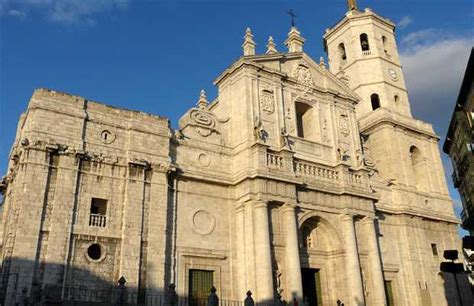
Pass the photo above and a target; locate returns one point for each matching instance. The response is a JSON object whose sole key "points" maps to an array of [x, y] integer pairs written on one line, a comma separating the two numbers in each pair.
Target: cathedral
{"points": [[300, 181]]}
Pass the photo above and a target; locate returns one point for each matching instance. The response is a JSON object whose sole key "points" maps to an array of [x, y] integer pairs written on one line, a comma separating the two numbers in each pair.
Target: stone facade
{"points": [[289, 168]]}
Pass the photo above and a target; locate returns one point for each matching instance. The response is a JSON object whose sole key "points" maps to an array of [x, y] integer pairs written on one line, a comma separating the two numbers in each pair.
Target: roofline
{"points": [[461, 100]]}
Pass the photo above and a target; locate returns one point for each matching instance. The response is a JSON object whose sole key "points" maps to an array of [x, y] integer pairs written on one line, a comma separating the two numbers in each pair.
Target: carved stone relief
{"points": [[203, 121], [302, 74], [267, 99], [344, 125]]}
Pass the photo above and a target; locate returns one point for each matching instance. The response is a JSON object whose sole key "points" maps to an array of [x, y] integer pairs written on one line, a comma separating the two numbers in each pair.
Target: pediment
{"points": [[308, 75]]}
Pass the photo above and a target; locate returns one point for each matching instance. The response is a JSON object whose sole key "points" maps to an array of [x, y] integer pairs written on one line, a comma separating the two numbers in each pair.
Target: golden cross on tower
{"points": [[352, 5]]}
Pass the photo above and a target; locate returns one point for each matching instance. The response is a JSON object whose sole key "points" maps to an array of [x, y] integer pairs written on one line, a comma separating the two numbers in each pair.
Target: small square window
{"points": [[98, 206], [434, 249]]}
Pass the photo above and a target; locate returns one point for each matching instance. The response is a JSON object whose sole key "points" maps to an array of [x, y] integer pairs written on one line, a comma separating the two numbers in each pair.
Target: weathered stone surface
{"points": [[271, 175]]}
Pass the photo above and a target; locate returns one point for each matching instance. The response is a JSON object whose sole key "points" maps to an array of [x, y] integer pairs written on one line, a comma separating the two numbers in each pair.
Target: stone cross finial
{"points": [[249, 44], [294, 42], [271, 47], [202, 102]]}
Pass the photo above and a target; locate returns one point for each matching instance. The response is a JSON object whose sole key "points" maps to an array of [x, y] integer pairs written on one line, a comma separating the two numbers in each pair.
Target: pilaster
{"points": [[132, 225]]}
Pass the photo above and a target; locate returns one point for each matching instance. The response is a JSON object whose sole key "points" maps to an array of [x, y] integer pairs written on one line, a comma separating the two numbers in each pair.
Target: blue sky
{"points": [[156, 56]]}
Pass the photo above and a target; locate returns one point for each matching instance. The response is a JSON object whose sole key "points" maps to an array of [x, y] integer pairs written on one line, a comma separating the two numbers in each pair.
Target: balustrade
{"points": [[275, 161], [310, 170], [97, 220]]}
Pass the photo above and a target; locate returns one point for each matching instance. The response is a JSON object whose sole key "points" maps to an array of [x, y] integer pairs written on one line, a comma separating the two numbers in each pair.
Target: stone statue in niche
{"points": [[259, 132], [278, 275], [267, 100], [285, 138], [307, 237], [364, 283], [343, 151]]}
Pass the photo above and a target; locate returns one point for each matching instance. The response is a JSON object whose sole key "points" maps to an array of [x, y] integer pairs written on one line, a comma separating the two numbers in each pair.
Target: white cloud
{"points": [[404, 22], [71, 12], [434, 63], [16, 13]]}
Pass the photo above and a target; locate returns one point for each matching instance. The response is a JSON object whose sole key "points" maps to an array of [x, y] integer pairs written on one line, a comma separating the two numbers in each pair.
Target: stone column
{"points": [[263, 257], [375, 264], [292, 253], [353, 274]]}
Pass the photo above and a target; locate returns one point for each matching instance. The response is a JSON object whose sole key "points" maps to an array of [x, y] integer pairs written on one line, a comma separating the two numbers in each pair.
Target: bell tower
{"points": [[362, 52]]}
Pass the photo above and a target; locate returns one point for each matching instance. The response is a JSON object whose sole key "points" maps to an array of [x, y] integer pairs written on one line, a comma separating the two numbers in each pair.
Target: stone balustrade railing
{"points": [[311, 170], [97, 220], [342, 175], [355, 177], [275, 161]]}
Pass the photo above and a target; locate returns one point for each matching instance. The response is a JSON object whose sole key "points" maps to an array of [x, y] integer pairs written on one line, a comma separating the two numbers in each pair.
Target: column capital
{"points": [[368, 219], [347, 217], [260, 204], [289, 207], [239, 207]]}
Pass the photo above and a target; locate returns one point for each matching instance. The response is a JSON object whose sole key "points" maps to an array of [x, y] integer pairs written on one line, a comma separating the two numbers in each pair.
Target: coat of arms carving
{"points": [[267, 100], [344, 124], [303, 75]]}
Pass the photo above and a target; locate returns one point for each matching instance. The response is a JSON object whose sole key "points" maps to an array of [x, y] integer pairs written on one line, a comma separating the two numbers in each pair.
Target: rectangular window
{"points": [[305, 125], [434, 249], [98, 212], [389, 293]]}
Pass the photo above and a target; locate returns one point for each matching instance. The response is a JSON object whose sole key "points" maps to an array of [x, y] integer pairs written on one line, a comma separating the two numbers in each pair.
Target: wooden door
{"points": [[200, 284]]}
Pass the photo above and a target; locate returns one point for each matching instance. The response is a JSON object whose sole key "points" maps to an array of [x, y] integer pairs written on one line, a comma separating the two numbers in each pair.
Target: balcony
{"points": [[340, 176], [313, 171], [97, 220]]}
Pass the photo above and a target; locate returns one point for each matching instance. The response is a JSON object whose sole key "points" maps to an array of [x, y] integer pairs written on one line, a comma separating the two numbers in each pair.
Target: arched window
{"points": [[364, 42], [342, 51], [417, 165], [375, 100], [396, 100], [384, 43]]}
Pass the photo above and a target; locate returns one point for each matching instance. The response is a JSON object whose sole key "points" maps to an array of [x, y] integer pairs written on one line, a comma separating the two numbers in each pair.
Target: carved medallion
{"points": [[204, 160], [203, 222]]}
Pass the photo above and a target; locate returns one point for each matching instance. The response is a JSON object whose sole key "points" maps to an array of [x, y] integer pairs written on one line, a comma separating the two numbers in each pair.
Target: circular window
{"points": [[94, 251], [107, 136]]}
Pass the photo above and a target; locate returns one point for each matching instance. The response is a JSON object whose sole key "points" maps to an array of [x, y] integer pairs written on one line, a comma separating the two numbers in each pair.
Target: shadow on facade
{"points": [[460, 294], [81, 287]]}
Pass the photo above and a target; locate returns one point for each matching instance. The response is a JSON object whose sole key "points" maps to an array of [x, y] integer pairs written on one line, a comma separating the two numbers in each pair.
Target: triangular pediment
{"points": [[302, 70]]}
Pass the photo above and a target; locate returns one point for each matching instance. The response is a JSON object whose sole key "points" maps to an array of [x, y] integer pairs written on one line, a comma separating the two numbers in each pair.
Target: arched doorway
{"points": [[322, 262]]}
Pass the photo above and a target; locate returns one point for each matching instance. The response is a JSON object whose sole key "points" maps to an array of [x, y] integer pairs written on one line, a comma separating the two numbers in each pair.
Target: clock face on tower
{"points": [[393, 74]]}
